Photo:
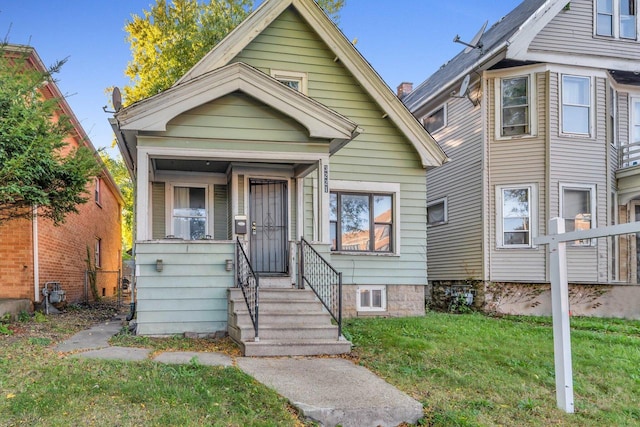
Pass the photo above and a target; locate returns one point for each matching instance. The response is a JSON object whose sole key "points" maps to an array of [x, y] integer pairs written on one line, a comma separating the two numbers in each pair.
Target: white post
{"points": [[560, 309]]}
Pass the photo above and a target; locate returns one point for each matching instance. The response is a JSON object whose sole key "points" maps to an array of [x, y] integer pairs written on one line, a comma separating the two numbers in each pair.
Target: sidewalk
{"points": [[330, 391]]}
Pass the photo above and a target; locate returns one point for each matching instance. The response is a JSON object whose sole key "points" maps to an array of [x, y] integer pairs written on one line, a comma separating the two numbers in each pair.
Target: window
{"points": [[515, 102], [635, 123], [616, 18], [437, 212], [577, 205], [294, 80], [435, 120], [515, 222], [96, 253], [576, 105], [361, 222], [189, 213], [371, 298], [613, 114], [96, 191]]}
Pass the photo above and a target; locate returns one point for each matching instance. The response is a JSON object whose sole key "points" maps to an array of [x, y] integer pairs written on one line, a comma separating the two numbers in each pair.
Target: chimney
{"points": [[404, 89]]}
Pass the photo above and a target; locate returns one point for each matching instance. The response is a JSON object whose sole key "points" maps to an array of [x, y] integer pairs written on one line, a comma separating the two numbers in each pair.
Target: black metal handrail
{"points": [[249, 282], [323, 279]]}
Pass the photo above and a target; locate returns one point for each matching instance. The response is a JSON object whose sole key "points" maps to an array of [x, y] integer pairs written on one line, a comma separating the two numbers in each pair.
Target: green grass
{"points": [[40, 387], [471, 370]]}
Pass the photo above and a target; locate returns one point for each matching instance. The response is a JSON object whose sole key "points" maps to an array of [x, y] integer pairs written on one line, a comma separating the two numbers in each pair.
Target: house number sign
{"points": [[325, 175]]}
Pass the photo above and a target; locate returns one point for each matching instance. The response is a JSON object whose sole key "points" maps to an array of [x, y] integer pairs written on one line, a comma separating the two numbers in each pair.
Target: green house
{"points": [[281, 141]]}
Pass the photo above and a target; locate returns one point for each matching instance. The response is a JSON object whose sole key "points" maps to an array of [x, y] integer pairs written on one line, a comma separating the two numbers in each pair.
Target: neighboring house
{"points": [[34, 252], [283, 130], [548, 127]]}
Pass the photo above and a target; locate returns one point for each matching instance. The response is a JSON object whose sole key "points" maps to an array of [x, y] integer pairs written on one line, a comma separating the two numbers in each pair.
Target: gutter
{"points": [[124, 147], [36, 255]]}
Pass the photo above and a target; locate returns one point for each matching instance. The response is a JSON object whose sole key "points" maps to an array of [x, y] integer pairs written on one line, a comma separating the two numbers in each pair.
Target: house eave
{"points": [[153, 114], [429, 151]]}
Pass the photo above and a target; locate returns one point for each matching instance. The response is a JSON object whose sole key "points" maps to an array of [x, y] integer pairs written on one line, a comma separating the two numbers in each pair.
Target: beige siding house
{"points": [[541, 119], [279, 165]]}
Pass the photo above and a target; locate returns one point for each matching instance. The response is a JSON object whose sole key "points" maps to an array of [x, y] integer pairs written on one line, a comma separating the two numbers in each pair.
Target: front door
{"points": [[269, 225]]}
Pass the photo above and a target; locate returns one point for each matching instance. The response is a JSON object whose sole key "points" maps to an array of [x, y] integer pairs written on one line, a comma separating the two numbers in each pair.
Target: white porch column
{"points": [[324, 234], [142, 189]]}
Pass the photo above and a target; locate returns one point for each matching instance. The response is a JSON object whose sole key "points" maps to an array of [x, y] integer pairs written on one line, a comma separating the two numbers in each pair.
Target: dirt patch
{"points": [[57, 327]]}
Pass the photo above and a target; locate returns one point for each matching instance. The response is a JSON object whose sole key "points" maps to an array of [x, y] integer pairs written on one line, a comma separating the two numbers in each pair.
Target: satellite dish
{"points": [[116, 99], [475, 42], [464, 87]]}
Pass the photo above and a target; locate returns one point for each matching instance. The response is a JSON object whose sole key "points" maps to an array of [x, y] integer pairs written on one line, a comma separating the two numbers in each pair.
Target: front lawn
{"points": [[470, 369]]}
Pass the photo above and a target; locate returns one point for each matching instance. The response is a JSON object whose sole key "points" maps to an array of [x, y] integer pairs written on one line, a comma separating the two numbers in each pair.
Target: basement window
{"points": [[371, 298]]}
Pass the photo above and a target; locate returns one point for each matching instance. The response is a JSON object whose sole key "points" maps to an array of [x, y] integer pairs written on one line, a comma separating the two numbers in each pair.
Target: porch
{"points": [[209, 287]]}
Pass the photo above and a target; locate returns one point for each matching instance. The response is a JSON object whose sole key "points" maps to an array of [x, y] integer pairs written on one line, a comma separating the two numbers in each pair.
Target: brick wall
{"points": [[16, 260], [63, 249]]}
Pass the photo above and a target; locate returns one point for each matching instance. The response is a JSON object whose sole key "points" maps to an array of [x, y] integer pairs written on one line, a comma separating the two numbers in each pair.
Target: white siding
{"points": [[518, 161], [572, 32], [454, 250]]}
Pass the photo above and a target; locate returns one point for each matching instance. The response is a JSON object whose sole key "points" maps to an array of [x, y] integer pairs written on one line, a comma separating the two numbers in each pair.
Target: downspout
{"points": [[36, 266]]}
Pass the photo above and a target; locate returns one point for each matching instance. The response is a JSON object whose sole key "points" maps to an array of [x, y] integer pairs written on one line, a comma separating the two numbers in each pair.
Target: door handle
{"points": [[253, 228]]}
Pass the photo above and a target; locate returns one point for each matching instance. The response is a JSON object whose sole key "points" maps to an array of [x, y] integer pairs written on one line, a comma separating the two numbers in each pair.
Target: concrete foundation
{"points": [[14, 307], [402, 301]]}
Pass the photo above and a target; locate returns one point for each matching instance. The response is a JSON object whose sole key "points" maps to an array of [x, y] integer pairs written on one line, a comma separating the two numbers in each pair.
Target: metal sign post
{"points": [[560, 298]]}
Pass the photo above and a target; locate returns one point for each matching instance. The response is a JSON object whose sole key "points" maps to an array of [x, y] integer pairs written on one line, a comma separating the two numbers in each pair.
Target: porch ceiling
{"points": [[205, 166]]}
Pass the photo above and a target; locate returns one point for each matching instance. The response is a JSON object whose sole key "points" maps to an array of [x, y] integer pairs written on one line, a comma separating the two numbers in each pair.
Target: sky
{"points": [[404, 41]]}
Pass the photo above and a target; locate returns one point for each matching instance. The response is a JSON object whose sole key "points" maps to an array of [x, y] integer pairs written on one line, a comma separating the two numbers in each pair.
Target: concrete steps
{"points": [[292, 322]]}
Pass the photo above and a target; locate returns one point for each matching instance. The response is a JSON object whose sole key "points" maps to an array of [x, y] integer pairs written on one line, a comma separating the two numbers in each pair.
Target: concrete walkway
{"points": [[330, 391]]}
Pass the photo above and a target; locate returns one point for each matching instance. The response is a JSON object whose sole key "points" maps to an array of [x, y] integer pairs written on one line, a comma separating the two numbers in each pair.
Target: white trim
{"points": [[532, 100], [533, 214], [154, 113], [616, 18], [591, 124], [632, 98], [593, 198], [143, 197], [299, 208], [294, 76], [228, 155], [371, 288], [442, 200], [377, 188], [169, 203], [429, 151], [444, 109]]}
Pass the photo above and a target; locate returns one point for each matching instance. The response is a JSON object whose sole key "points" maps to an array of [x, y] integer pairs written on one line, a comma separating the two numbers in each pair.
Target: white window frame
{"points": [[533, 215], [593, 197], [633, 121], [169, 204], [371, 288], [442, 201], [533, 114], [97, 255], [293, 76], [590, 116], [616, 21], [376, 188], [96, 191], [431, 113]]}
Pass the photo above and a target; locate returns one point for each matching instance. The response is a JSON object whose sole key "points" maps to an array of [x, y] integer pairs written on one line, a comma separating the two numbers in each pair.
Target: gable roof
{"points": [[511, 32], [430, 153]]}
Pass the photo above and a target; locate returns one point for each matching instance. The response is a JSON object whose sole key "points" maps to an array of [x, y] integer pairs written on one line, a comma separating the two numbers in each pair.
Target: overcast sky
{"points": [[404, 40]]}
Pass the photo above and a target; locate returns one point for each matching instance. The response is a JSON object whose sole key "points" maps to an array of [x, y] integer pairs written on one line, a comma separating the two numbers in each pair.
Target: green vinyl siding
{"points": [[189, 294], [158, 215], [241, 209], [380, 154], [220, 212], [238, 116]]}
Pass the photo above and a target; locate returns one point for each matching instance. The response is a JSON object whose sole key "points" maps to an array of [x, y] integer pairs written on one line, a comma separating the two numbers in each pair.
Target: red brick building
{"points": [[33, 252]]}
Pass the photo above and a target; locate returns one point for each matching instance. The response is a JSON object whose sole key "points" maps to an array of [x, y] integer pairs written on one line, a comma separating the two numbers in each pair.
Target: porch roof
{"points": [[154, 113]]}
